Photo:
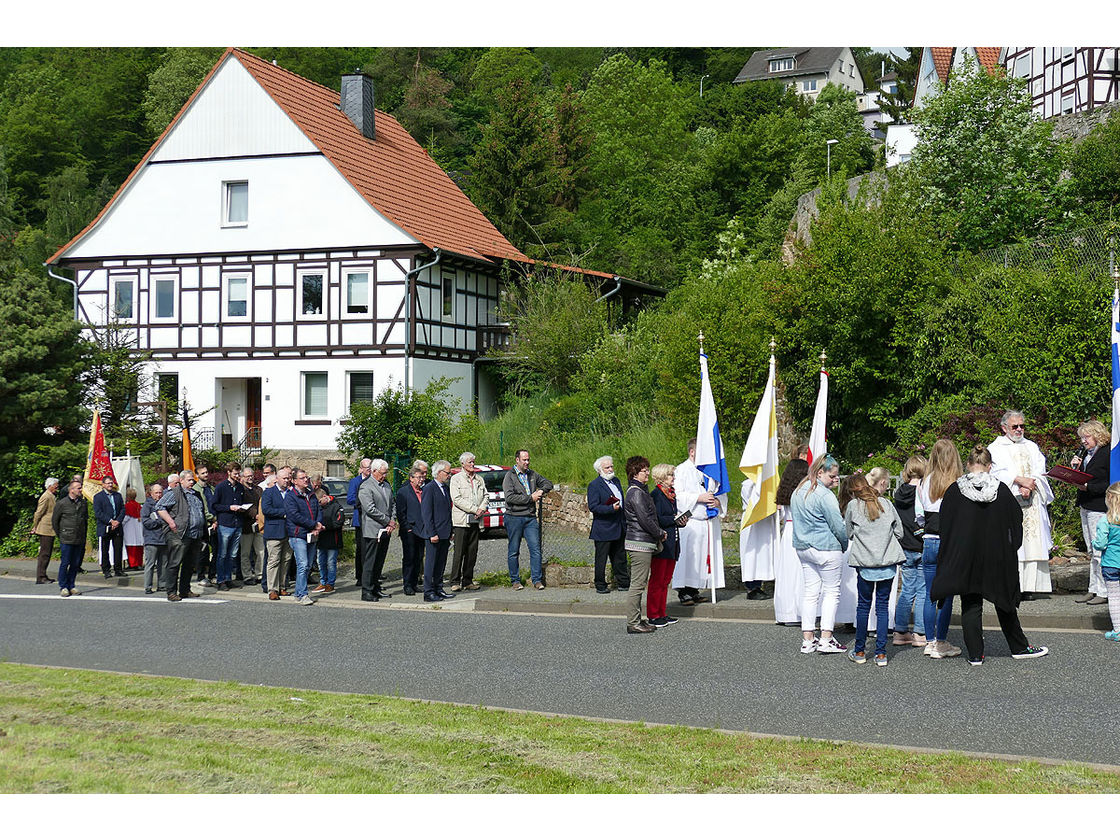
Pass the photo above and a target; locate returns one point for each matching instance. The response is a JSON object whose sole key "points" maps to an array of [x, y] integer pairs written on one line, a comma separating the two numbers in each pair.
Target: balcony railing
{"points": [[493, 337]]}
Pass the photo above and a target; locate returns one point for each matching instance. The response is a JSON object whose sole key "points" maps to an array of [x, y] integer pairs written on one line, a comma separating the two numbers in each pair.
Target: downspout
{"points": [[409, 279], [73, 283], [612, 292]]}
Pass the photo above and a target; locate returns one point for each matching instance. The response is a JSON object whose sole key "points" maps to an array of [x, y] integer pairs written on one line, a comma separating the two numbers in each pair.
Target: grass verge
{"points": [[77, 731]]}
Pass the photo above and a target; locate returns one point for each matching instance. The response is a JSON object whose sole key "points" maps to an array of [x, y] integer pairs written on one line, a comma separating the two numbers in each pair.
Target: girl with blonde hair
{"points": [[1107, 542], [944, 469], [819, 538]]}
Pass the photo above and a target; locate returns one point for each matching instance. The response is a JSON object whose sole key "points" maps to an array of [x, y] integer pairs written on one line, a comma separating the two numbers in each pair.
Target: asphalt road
{"points": [[732, 675]]}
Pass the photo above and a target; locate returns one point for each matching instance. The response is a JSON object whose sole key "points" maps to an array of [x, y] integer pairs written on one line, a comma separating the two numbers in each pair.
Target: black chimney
{"points": [[357, 101]]}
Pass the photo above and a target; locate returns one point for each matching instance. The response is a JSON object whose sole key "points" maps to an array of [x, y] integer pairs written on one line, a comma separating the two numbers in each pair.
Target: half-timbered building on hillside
{"points": [[283, 251], [1065, 80]]}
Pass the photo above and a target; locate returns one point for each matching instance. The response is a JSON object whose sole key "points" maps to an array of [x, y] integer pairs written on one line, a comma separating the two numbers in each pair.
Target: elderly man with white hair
{"points": [[604, 501], [468, 506], [41, 528], [365, 467], [1019, 464], [378, 504]]}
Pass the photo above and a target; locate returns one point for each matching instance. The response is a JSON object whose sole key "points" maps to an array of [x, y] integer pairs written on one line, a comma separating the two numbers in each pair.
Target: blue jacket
{"points": [[606, 522], [352, 499], [817, 521], [1107, 542], [302, 511], [155, 531], [107, 506], [408, 509], [275, 514], [435, 511], [667, 519], [225, 496]]}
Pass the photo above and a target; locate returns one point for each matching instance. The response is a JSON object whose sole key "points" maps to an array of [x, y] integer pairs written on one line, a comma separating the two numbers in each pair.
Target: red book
{"points": [[1069, 475]]}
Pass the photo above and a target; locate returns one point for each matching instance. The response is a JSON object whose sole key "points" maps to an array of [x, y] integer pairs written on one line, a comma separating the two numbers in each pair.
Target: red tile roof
{"points": [[392, 172], [989, 57], [942, 61]]}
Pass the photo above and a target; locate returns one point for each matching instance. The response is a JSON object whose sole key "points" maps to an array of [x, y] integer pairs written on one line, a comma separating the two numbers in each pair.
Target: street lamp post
{"points": [[828, 166], [702, 78]]}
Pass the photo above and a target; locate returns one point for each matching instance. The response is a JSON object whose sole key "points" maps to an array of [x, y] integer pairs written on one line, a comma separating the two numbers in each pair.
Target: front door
{"points": [[253, 413]]}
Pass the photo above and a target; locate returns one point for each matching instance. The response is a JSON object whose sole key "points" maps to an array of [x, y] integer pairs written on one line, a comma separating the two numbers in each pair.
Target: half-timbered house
{"points": [[283, 251], [1065, 80]]}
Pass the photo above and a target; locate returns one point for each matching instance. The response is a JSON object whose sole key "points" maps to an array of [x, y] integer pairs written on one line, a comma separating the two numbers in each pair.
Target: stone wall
{"points": [[1076, 127], [567, 508]]}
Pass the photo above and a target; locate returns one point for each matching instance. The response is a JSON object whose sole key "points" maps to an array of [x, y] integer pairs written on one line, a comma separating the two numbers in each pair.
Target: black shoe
{"points": [[447, 596], [758, 595], [366, 597], [120, 574], [408, 590], [603, 590], [236, 584], [1027, 596], [432, 598], [81, 571], [664, 621], [382, 593], [108, 576]]}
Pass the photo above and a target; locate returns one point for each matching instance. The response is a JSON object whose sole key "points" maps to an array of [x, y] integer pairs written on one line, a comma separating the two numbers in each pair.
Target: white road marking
{"points": [[130, 599]]}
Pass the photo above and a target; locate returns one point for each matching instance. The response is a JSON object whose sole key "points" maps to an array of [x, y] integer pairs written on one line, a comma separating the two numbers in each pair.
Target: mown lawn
{"points": [[74, 731]]}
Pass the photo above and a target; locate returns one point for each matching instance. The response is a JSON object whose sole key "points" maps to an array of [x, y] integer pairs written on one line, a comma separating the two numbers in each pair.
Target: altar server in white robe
{"points": [[1019, 464], [758, 545], [788, 586], [694, 493]]}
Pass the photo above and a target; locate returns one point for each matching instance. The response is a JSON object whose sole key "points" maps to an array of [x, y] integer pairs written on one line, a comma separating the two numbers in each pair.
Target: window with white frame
{"points": [[1067, 54], [359, 387], [1023, 66], [163, 294], [447, 289], [1067, 103], [809, 84], [315, 394], [357, 292], [311, 285], [124, 292], [237, 297], [779, 64], [235, 203]]}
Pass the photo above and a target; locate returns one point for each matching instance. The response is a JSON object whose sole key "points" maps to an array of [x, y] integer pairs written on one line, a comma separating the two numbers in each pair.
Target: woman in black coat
{"points": [[1093, 459], [661, 567], [643, 535], [981, 530]]}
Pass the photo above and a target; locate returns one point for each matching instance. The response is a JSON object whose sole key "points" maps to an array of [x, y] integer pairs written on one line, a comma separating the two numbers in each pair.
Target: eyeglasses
{"points": [[1016, 426]]}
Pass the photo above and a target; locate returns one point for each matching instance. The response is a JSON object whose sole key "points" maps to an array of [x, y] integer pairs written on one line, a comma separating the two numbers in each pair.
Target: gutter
{"points": [[73, 283], [409, 280], [612, 292]]}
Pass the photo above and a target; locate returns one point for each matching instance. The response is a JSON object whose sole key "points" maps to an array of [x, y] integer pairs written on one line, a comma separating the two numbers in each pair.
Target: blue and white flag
{"points": [[710, 459], [1114, 453]]}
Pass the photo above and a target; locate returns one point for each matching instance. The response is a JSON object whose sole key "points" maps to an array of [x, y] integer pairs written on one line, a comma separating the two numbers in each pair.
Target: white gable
{"points": [[232, 115]]}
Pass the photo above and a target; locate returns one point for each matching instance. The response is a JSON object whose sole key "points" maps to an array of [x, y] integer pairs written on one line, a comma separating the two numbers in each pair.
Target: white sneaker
{"points": [[65, 593], [928, 649], [808, 645], [307, 601], [75, 592], [943, 650], [830, 645]]}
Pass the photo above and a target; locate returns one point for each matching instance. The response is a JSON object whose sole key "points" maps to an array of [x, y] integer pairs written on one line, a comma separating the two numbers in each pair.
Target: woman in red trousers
{"points": [[661, 567]]}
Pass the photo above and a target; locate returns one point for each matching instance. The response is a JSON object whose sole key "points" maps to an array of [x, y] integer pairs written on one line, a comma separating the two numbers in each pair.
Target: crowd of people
{"points": [[977, 531]]}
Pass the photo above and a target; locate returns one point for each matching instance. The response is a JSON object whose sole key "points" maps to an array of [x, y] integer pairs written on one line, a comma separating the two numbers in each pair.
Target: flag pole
{"points": [[711, 566], [777, 525]]}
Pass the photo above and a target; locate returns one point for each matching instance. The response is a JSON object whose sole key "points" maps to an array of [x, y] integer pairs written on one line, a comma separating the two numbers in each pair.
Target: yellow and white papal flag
{"points": [[760, 459]]}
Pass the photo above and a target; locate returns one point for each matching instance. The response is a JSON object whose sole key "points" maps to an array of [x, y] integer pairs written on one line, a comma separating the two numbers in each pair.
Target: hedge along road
{"points": [[733, 675]]}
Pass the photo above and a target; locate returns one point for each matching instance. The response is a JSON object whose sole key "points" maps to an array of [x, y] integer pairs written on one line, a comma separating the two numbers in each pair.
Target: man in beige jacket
{"points": [[468, 506], [41, 528]]}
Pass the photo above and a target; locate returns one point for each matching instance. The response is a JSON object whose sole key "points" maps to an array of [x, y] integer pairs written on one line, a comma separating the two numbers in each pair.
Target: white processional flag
{"points": [[817, 442], [710, 458]]}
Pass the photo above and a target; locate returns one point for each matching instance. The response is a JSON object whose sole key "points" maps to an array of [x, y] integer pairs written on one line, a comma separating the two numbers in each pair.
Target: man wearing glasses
{"points": [[1019, 464]]}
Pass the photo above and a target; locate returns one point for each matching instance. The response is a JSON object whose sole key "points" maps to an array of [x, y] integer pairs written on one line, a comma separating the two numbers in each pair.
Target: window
{"points": [[779, 64], [235, 203], [164, 292], [448, 289], [809, 84], [123, 291], [315, 394], [1067, 54], [361, 387], [1023, 66], [1067, 103], [357, 292], [311, 294], [237, 297]]}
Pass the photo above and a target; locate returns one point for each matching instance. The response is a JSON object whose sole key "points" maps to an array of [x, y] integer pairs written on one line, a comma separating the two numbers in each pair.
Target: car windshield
{"points": [[493, 480], [335, 488]]}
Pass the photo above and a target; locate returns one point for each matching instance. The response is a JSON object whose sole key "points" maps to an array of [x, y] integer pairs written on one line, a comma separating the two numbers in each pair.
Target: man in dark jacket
{"points": [[155, 542], [276, 544], [69, 519], [330, 540], [228, 504], [435, 527], [408, 521], [301, 510], [252, 541], [208, 562], [184, 512], [108, 510], [364, 470], [604, 500], [523, 490]]}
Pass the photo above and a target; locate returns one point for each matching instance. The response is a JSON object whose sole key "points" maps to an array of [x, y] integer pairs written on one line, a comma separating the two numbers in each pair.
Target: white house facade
{"points": [[1065, 80], [804, 69]]}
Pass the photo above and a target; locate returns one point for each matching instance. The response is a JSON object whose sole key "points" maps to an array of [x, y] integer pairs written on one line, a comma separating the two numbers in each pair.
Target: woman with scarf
{"points": [[661, 566], [981, 528]]}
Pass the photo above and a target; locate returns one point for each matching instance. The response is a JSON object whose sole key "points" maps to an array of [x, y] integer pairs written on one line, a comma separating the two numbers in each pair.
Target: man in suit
{"points": [[408, 523], [375, 497], [604, 500], [364, 470], [435, 528], [302, 516], [108, 510], [276, 545]]}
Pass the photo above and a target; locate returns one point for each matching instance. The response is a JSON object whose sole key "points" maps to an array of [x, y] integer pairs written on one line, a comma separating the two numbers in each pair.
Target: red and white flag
{"points": [[817, 442], [98, 464]]}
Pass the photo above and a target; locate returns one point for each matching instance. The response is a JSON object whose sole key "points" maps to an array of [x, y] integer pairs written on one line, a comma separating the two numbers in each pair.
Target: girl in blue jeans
{"points": [[1107, 542], [874, 529], [912, 592], [945, 468]]}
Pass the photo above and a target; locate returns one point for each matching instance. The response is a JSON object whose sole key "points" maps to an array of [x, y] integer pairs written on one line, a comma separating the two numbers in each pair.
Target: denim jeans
{"points": [[68, 565], [936, 621], [300, 550], [880, 590], [328, 565], [530, 528], [229, 549], [911, 595]]}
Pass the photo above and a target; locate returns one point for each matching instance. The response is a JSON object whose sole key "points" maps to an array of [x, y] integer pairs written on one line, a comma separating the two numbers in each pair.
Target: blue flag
{"points": [[710, 458]]}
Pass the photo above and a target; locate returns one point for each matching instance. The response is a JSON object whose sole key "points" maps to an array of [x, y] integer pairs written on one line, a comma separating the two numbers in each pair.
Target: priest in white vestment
{"points": [[693, 488], [1019, 464]]}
